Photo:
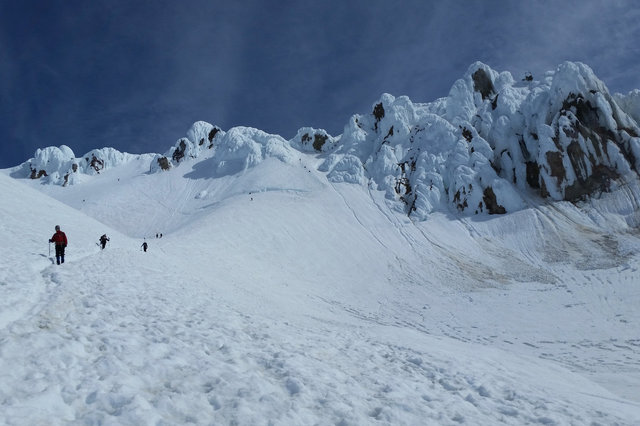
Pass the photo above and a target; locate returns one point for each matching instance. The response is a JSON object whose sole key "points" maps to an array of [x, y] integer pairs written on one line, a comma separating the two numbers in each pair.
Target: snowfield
{"points": [[278, 297], [474, 260]]}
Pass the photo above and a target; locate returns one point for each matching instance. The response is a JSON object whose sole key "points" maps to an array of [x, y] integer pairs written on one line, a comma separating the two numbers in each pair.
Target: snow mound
{"points": [[200, 138], [309, 139], [226, 153], [245, 147]]}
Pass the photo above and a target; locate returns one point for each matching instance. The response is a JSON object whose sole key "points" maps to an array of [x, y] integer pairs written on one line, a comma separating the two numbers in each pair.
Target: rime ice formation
{"points": [[491, 141], [486, 148], [227, 152], [200, 137], [60, 166], [309, 139]]}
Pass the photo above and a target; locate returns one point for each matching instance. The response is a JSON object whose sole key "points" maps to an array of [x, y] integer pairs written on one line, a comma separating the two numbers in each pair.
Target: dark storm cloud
{"points": [[135, 74]]}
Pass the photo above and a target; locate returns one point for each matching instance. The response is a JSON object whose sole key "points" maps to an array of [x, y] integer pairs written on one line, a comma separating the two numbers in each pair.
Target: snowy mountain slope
{"points": [[277, 295]]}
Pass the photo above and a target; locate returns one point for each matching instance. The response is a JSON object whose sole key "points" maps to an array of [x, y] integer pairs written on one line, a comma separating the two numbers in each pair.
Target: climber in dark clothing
{"points": [[103, 241], [60, 239], [144, 246]]}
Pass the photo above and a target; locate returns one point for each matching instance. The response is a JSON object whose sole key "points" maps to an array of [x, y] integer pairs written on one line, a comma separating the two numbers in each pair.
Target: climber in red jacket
{"points": [[60, 239]]}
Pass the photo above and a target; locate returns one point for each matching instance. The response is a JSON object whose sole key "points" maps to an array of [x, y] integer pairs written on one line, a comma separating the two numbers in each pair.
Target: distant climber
{"points": [[103, 241], [60, 240], [144, 246]]}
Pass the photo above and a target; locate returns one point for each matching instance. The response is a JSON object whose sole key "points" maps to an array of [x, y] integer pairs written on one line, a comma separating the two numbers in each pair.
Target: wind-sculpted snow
{"points": [[59, 165], [227, 153], [50, 163], [421, 159], [244, 147], [484, 149], [309, 139], [200, 138]]}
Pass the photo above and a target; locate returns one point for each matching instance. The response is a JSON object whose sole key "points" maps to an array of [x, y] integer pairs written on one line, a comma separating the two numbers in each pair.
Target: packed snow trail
{"points": [[28, 221], [118, 338]]}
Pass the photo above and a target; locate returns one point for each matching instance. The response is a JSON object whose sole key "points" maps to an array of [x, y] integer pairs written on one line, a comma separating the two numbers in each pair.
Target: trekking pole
{"points": [[49, 248]]}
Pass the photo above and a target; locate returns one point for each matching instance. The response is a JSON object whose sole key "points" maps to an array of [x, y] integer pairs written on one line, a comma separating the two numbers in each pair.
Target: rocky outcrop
{"points": [[178, 153], [164, 163], [482, 83], [95, 163], [309, 139], [584, 141], [201, 137]]}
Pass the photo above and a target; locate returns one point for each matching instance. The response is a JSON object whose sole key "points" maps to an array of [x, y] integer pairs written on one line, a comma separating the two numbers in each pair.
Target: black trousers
{"points": [[59, 253]]}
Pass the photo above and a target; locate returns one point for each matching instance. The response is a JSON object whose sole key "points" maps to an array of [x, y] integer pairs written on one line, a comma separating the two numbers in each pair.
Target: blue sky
{"points": [[134, 75]]}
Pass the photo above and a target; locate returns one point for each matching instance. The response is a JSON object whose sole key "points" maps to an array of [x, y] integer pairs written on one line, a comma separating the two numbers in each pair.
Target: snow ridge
{"points": [[484, 149], [59, 165]]}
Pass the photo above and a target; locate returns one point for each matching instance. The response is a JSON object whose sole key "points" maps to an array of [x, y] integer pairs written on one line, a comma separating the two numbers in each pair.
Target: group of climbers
{"points": [[59, 239]]}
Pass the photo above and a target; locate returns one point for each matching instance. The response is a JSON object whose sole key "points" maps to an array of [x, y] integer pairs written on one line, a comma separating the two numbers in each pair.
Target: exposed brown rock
{"points": [[378, 113], [212, 134], [489, 198], [37, 174], [466, 133], [461, 206], [318, 141], [163, 162], [533, 174], [178, 154], [554, 158], [599, 181], [97, 164], [482, 83]]}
